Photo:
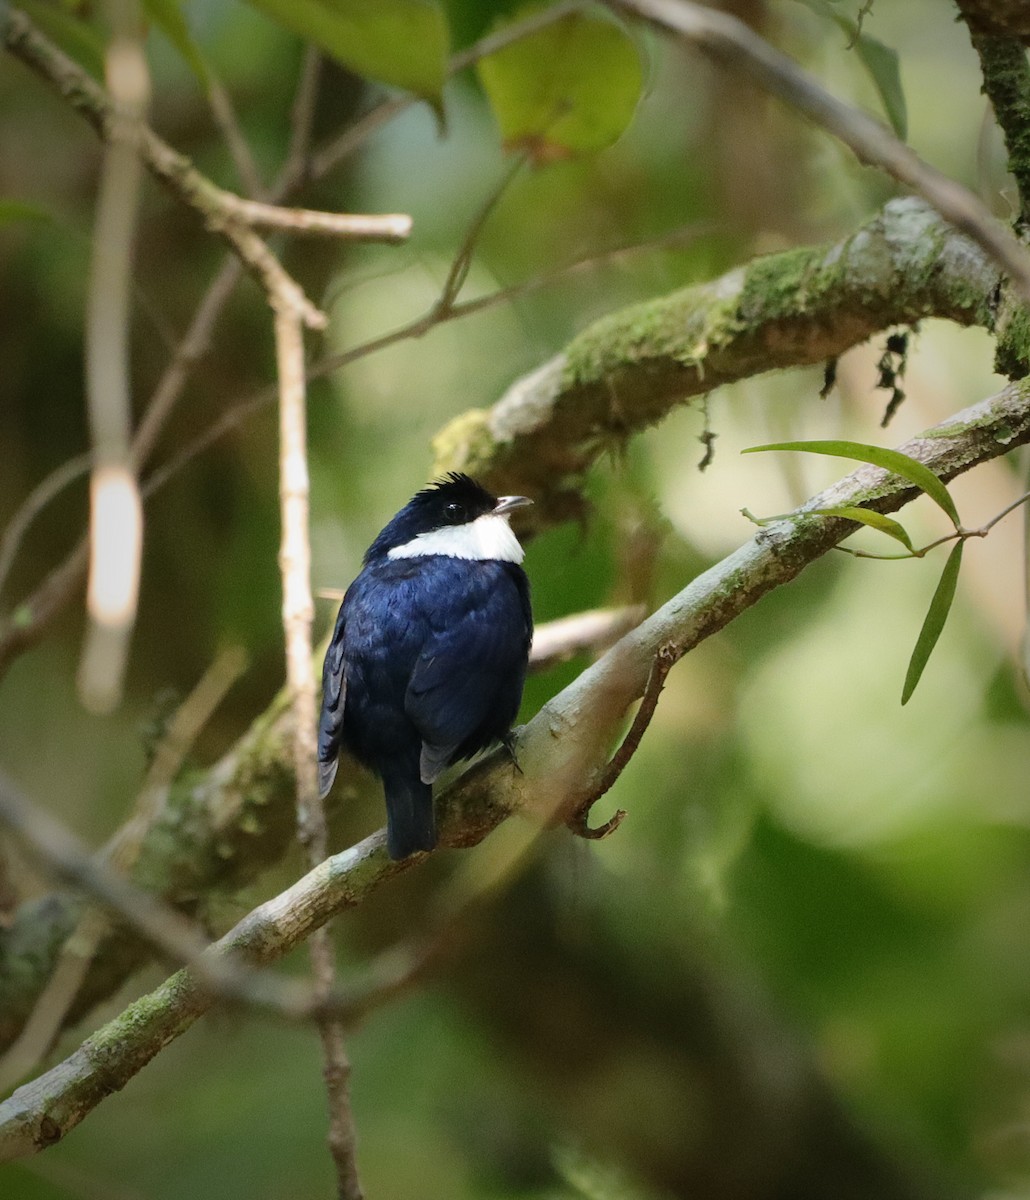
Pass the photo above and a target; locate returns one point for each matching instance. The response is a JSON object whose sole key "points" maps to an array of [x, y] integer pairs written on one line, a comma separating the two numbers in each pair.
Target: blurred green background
{"points": [[808, 874]]}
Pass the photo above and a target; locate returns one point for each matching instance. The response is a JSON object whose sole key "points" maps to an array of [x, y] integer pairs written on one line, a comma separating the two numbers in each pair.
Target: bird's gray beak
{"points": [[507, 504]]}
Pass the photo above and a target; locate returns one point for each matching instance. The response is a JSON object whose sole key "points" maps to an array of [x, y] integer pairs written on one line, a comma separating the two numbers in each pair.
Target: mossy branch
{"points": [[629, 369], [561, 751]]}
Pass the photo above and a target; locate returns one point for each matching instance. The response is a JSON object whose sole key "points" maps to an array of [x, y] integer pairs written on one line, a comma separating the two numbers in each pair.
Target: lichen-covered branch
{"points": [[561, 752], [629, 369]]}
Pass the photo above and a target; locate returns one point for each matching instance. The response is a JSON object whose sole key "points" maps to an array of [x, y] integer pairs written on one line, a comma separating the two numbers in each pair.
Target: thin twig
{"points": [[729, 42], [578, 822], [364, 227], [298, 613], [224, 113], [41, 495]]}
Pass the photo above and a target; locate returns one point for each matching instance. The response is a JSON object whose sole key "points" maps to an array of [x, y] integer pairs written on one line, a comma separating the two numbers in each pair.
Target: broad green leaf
{"points": [[936, 615], [891, 460], [12, 211], [401, 42], [874, 520], [880, 61], [168, 17], [570, 88], [76, 38]]}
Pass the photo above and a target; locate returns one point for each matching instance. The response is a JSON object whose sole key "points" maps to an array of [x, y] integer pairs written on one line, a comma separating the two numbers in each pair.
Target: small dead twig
{"points": [[663, 663]]}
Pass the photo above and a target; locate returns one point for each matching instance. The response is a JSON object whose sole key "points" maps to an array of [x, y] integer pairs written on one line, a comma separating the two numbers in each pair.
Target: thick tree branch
{"points": [[560, 751], [629, 369]]}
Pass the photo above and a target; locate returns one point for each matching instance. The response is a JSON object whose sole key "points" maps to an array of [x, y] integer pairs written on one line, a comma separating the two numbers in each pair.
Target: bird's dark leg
{"points": [[508, 742]]}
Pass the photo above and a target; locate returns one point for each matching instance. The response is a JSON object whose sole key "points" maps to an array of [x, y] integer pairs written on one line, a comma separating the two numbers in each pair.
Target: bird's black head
{"points": [[454, 516]]}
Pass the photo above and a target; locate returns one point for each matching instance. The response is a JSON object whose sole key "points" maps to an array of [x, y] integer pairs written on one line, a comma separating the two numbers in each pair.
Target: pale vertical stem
{"points": [[116, 512], [298, 610]]}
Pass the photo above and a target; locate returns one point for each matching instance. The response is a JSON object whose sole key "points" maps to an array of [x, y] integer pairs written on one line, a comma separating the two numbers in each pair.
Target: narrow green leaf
{"points": [[936, 615], [167, 15], [874, 520], [880, 62], [401, 42], [568, 89], [12, 211], [891, 460]]}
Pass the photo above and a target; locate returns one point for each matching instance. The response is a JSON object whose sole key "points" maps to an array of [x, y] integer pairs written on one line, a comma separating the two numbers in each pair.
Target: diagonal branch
{"points": [[730, 43], [565, 743]]}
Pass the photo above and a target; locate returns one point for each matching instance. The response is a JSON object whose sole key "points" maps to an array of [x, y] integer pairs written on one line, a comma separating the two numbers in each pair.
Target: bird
{"points": [[429, 652]]}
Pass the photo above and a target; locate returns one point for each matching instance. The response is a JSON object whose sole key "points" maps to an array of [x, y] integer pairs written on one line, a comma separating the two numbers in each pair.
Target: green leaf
{"points": [[76, 38], [874, 520], [570, 88], [880, 61], [891, 460], [401, 42], [168, 17], [12, 211], [936, 615]]}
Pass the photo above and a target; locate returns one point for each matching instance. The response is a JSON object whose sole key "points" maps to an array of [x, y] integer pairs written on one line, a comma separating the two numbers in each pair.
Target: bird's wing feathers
{"points": [[334, 697], [465, 670]]}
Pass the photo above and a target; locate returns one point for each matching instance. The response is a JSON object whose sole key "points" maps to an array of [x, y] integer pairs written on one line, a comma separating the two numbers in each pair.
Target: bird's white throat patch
{"points": [[488, 538]]}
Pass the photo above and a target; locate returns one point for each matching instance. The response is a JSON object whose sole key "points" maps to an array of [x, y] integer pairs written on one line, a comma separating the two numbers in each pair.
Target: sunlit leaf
{"points": [[401, 42], [168, 17], [936, 615], [570, 88], [76, 38], [13, 211], [891, 460], [874, 520], [880, 61]]}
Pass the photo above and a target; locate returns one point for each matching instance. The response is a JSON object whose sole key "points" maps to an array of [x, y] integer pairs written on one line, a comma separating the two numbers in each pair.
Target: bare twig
{"points": [[225, 118], [594, 630], [578, 822], [298, 612], [33, 504], [387, 227], [729, 42]]}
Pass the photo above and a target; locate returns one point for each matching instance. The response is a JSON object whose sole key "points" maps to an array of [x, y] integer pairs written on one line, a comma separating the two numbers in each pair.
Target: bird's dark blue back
{"points": [[429, 660]]}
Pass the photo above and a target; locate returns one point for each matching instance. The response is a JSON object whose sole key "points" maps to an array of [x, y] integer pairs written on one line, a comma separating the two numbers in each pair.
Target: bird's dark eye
{"points": [[455, 512]]}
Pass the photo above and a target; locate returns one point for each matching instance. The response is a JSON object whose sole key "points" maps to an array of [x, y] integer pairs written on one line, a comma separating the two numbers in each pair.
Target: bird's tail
{"points": [[410, 823]]}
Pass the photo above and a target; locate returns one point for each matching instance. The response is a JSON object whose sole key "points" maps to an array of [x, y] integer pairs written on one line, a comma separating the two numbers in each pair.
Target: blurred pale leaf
{"points": [[568, 89]]}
